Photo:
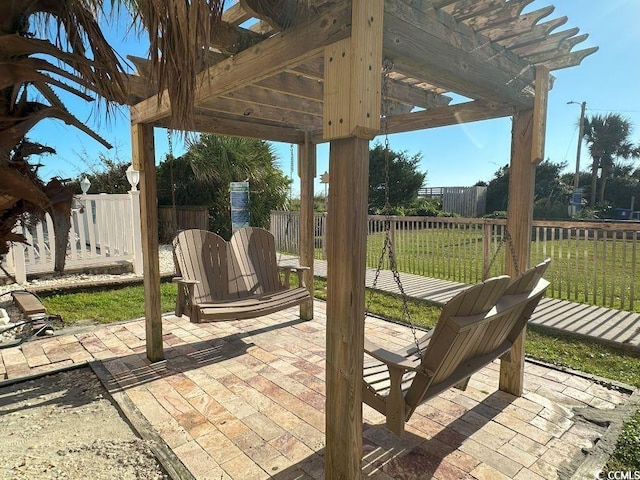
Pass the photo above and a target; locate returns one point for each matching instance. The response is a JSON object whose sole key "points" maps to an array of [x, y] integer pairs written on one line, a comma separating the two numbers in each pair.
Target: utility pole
{"points": [[583, 106]]}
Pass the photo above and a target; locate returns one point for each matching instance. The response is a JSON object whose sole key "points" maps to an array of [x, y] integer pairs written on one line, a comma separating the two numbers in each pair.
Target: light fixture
{"points": [[133, 176], [84, 185]]}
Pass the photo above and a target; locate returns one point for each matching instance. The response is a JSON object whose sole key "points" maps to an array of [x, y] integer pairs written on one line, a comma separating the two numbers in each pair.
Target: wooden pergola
{"points": [[311, 75]]}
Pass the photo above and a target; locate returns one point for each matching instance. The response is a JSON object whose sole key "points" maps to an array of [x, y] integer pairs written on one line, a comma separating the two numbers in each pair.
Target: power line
{"points": [[612, 110]]}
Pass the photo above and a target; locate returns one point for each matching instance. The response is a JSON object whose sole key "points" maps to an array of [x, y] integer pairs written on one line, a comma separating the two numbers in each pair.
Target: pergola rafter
{"points": [[311, 71]]}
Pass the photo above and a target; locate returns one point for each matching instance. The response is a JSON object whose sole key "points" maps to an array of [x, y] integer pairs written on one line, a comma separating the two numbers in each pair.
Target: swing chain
{"points": [[170, 142], [512, 250], [506, 238], [387, 248], [387, 66]]}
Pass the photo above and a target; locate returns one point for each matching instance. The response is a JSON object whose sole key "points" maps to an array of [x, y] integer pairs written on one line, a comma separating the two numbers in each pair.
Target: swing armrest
{"points": [[287, 273], [185, 294], [393, 359]]}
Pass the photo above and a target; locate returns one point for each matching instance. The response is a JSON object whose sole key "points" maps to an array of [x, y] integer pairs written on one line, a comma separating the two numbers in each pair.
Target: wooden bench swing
{"points": [[220, 280], [475, 327]]}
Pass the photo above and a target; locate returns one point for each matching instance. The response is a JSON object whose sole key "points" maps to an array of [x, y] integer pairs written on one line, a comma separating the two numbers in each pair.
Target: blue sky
{"points": [[452, 156]]}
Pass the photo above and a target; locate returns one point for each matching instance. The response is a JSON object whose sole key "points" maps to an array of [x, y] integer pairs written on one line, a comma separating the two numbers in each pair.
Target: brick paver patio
{"points": [[245, 400]]}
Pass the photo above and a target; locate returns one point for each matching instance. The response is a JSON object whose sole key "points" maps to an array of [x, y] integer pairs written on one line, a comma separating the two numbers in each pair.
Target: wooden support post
{"points": [[144, 161], [519, 221], [346, 263], [307, 172], [351, 116], [527, 150]]}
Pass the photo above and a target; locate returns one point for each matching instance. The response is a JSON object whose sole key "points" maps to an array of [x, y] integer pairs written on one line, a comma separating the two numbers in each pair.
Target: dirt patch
{"points": [[65, 426]]}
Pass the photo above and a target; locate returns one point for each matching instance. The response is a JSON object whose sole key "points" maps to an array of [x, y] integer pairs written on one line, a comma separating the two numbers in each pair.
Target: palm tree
{"points": [[608, 140], [73, 56], [202, 175], [84, 64]]}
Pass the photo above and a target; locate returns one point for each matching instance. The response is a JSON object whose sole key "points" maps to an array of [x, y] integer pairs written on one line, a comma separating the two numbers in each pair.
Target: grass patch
{"points": [[106, 305], [627, 455]]}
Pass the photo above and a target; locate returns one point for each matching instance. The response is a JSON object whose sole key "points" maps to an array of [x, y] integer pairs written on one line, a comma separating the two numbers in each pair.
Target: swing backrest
{"points": [[475, 327], [204, 257], [255, 252]]}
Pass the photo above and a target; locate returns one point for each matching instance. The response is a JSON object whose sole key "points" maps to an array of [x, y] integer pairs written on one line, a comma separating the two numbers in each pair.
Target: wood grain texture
{"points": [[144, 160], [346, 235], [307, 168], [519, 221]]}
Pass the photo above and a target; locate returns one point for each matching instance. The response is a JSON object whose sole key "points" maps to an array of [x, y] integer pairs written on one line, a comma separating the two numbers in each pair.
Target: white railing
{"points": [[592, 262], [105, 229]]}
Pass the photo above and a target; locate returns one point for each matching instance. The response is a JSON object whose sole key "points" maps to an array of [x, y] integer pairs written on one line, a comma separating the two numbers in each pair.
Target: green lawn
{"points": [[106, 305], [113, 305]]}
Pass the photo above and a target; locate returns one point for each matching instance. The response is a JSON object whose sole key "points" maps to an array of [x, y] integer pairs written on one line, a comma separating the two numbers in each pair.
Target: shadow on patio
{"points": [[246, 400]]}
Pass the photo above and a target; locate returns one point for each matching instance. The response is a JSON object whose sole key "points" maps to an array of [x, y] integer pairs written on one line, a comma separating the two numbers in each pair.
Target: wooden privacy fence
{"points": [[183, 217], [592, 262], [465, 201], [105, 229]]}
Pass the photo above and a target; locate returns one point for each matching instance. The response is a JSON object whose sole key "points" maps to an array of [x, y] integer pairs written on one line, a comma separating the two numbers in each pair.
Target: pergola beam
{"points": [[276, 115], [425, 44], [448, 115], [271, 56], [223, 124], [267, 97]]}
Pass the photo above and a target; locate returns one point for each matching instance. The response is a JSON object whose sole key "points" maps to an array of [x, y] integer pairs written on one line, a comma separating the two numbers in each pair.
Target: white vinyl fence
{"points": [[105, 229]]}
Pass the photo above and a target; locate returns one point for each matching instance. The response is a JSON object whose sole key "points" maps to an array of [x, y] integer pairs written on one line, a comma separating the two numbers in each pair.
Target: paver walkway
{"points": [[245, 400], [604, 324]]}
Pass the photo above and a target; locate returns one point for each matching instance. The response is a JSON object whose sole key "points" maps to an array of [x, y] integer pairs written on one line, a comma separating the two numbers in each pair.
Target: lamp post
{"points": [[133, 177], [84, 185], [583, 105]]}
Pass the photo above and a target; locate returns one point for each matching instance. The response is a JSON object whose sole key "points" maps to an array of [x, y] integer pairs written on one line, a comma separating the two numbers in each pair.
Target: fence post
{"points": [[486, 253], [392, 234], [16, 255], [323, 220], [137, 232]]}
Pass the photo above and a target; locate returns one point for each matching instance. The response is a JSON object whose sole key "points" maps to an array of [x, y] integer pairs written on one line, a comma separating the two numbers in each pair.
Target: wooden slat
{"points": [[224, 124], [449, 115], [235, 15], [294, 84], [275, 115], [291, 47], [519, 26], [569, 60], [532, 36], [463, 10], [267, 97], [452, 56], [505, 13], [28, 303], [548, 43]]}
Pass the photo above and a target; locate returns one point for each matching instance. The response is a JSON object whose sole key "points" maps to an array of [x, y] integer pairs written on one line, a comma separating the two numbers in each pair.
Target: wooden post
{"points": [[527, 150], [351, 116], [144, 161], [519, 220], [307, 171], [346, 252], [486, 249]]}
